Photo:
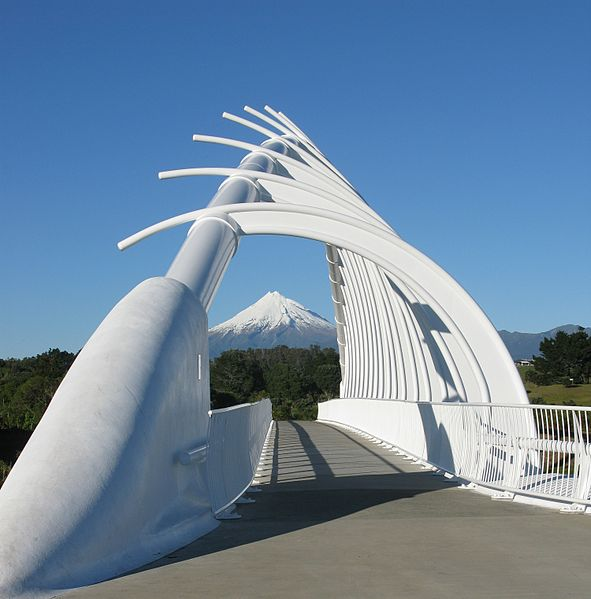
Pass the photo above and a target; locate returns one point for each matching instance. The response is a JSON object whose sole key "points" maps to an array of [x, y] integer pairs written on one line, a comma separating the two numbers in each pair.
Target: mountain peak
{"points": [[272, 320], [274, 296]]}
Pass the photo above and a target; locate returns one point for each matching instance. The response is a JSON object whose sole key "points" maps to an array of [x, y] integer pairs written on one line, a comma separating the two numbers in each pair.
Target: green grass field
{"points": [[556, 394]]}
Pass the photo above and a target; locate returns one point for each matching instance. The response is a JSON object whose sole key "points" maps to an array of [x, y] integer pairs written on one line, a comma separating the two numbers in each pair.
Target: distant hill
{"points": [[525, 345], [271, 321]]}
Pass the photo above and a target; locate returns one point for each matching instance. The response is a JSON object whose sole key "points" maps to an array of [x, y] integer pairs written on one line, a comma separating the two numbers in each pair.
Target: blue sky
{"points": [[465, 124]]}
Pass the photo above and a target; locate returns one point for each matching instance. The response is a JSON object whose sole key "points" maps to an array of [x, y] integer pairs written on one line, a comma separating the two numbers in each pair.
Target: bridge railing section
{"points": [[532, 450], [236, 438]]}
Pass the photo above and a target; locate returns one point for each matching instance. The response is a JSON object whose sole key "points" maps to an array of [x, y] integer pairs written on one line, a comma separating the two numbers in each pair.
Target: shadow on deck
{"points": [[317, 473], [339, 516]]}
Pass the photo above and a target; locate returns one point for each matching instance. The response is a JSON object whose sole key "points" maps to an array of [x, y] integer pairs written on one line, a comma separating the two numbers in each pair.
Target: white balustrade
{"points": [[236, 438], [533, 450]]}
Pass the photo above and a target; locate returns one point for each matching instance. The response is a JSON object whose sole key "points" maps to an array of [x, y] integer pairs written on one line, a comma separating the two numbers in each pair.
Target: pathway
{"points": [[341, 517]]}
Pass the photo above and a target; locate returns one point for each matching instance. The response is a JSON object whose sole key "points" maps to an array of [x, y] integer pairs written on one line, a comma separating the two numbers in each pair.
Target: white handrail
{"points": [[538, 451], [236, 438]]}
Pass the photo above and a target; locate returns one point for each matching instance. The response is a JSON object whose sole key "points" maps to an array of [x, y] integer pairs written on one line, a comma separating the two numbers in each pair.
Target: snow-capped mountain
{"points": [[277, 320], [273, 320]]}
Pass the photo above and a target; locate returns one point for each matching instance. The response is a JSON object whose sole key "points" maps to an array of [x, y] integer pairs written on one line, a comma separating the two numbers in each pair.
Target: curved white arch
{"points": [[410, 330], [457, 310], [319, 221]]}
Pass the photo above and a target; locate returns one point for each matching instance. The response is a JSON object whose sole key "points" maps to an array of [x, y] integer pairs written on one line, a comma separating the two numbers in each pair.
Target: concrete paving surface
{"points": [[341, 517]]}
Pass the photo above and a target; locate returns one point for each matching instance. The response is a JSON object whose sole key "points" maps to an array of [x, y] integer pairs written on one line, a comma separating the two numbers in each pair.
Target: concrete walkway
{"points": [[341, 517]]}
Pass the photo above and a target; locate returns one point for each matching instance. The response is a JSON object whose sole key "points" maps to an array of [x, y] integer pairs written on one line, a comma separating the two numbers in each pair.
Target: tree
{"points": [[564, 359], [27, 386], [327, 378], [238, 373], [283, 382], [295, 379]]}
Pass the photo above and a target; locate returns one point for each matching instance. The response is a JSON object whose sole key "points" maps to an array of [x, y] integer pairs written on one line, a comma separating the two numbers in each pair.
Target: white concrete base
{"points": [[99, 489]]}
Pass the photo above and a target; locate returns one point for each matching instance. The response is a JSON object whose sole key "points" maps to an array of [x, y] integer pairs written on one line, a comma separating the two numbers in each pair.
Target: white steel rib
{"points": [[310, 149], [328, 181], [333, 196]]}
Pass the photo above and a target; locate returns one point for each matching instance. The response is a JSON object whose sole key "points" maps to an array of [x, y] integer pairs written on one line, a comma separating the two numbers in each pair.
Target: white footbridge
{"points": [[129, 463]]}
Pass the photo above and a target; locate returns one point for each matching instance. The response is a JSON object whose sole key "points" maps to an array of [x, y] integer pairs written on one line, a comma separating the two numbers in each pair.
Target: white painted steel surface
{"points": [[236, 438], [126, 463], [401, 334], [530, 450], [457, 326]]}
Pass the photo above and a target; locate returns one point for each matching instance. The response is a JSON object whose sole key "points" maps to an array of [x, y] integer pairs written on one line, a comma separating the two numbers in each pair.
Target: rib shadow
{"points": [[308, 485]]}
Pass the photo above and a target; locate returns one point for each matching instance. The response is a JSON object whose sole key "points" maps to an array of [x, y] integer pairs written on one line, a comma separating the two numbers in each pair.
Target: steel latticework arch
{"points": [[398, 337], [424, 372]]}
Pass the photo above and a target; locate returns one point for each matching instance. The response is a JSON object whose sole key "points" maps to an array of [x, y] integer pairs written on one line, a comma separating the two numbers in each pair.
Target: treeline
{"points": [[564, 359], [26, 388], [295, 379]]}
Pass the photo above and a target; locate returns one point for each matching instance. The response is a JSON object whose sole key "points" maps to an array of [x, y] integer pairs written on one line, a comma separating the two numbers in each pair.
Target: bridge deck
{"points": [[341, 517]]}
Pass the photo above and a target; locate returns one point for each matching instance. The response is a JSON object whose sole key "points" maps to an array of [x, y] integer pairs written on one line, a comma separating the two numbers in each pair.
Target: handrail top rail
{"points": [[238, 407], [474, 404]]}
